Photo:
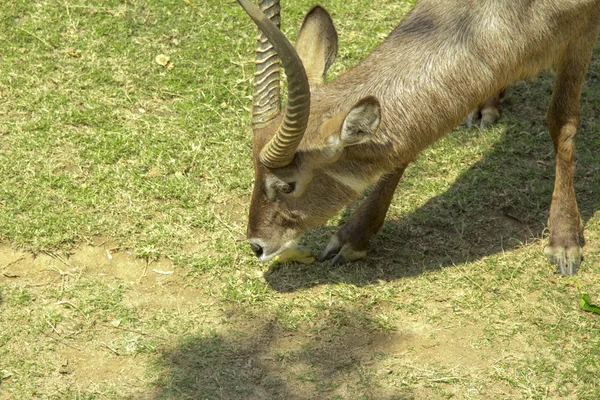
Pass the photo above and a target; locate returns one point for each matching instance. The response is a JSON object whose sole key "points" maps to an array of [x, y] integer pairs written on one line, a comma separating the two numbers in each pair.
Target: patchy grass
{"points": [[125, 191]]}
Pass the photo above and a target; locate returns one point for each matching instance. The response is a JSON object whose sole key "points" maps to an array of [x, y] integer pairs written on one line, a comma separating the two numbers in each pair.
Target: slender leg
{"points": [[566, 236], [351, 241], [487, 111]]}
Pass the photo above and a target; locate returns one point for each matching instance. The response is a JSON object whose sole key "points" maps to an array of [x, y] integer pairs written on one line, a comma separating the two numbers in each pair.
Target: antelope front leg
{"points": [[566, 236], [351, 241], [488, 111]]}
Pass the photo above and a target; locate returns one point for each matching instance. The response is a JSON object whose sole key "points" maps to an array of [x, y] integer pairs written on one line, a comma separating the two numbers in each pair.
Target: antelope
{"points": [[443, 60]]}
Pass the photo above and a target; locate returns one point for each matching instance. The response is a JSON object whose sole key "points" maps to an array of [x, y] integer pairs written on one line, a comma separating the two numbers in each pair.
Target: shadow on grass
{"points": [[500, 203], [258, 359]]}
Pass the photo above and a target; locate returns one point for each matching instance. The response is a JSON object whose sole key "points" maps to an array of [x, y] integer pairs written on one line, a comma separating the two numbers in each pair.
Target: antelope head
{"points": [[300, 154]]}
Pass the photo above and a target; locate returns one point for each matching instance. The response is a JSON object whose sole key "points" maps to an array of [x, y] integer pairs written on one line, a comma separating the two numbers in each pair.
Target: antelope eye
{"points": [[288, 187]]}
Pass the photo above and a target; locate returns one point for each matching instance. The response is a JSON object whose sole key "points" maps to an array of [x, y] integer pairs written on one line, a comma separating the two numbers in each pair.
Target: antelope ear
{"points": [[317, 44], [361, 122]]}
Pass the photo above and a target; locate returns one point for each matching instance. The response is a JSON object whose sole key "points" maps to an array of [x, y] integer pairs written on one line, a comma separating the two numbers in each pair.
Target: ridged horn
{"points": [[266, 103], [280, 150]]}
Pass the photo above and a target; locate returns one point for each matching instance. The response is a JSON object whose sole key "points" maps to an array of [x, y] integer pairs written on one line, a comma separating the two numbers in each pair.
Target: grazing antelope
{"points": [[442, 61]]}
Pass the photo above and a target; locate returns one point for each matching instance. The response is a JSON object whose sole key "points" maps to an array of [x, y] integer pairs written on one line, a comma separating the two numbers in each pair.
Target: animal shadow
{"points": [[500, 203]]}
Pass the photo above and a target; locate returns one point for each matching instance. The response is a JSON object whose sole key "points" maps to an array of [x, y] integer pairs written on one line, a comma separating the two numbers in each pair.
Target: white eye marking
{"points": [[269, 187], [355, 183]]}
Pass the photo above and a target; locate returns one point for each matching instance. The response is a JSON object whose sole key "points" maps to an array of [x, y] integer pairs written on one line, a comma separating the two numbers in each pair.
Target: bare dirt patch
{"points": [[85, 352], [100, 320], [106, 263]]}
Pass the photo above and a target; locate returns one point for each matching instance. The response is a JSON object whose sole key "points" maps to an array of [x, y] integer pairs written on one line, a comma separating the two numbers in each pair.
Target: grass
{"points": [[124, 193]]}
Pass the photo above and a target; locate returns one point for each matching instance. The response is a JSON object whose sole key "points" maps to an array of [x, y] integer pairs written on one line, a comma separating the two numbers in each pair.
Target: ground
{"points": [[123, 202]]}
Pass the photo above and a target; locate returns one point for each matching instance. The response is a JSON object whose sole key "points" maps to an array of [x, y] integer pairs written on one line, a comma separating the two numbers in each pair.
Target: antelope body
{"points": [[442, 61]]}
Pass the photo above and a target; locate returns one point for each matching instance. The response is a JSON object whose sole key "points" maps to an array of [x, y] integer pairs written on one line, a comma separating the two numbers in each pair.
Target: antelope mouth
{"points": [[264, 252]]}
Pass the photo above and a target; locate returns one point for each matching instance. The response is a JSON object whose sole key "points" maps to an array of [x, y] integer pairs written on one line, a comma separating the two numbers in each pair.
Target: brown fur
{"points": [[442, 61]]}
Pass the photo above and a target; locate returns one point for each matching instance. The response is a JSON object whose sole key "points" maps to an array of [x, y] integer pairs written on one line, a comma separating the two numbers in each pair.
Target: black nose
{"points": [[256, 249]]}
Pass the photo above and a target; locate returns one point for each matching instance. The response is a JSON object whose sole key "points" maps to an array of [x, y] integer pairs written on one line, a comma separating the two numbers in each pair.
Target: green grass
{"points": [[124, 194]]}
